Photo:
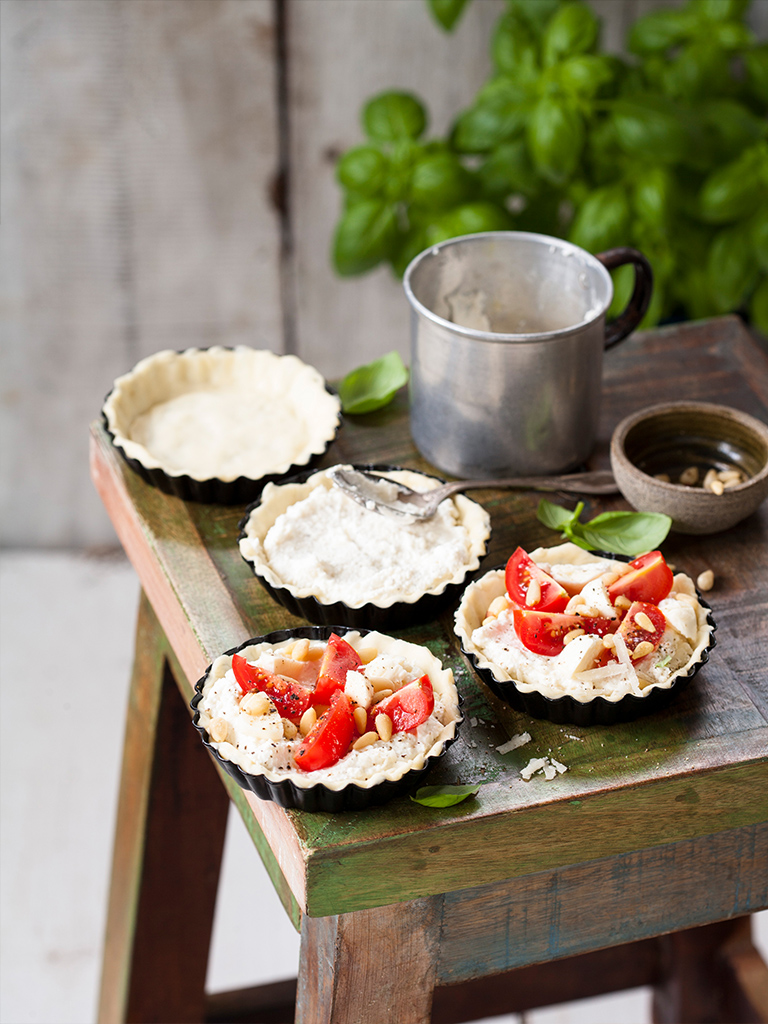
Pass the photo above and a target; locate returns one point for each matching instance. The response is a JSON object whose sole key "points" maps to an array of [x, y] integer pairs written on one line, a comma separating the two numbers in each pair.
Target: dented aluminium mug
{"points": [[507, 338]]}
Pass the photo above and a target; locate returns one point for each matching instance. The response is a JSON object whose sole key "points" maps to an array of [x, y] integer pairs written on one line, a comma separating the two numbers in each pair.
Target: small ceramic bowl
{"points": [[651, 449]]}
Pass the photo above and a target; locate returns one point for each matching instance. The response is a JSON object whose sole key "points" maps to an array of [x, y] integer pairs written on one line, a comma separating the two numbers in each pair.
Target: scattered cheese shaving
{"points": [[548, 766], [517, 741]]}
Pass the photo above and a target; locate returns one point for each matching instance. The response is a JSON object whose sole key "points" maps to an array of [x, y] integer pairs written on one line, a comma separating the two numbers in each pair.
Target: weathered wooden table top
{"points": [[699, 768]]}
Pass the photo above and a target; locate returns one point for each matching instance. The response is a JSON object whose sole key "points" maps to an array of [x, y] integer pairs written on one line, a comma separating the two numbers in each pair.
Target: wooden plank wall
{"points": [[144, 143]]}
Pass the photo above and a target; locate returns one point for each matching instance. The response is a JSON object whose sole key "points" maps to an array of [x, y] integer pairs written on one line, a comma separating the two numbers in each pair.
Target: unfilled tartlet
{"points": [[214, 425], [574, 636], [324, 718], [329, 559]]}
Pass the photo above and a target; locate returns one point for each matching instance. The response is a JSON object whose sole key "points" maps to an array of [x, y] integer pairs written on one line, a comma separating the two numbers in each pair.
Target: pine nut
{"points": [[367, 654], [609, 641], [381, 684], [642, 620], [662, 478], [217, 730], [287, 651], [488, 619], [709, 479], [307, 720], [301, 650], [730, 474], [643, 648], [497, 606], [690, 476], [622, 602], [384, 727], [361, 719], [717, 487], [728, 485], [256, 703], [533, 594], [365, 740], [315, 653], [381, 694], [289, 729], [705, 580], [572, 635], [609, 577]]}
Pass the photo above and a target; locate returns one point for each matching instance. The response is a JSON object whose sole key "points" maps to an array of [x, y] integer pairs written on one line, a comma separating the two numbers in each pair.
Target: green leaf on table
{"points": [[622, 533], [555, 516], [373, 386], [443, 796]]}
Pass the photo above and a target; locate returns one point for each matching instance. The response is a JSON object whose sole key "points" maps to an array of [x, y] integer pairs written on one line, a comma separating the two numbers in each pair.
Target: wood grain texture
{"points": [[172, 816], [369, 967], [697, 769]]}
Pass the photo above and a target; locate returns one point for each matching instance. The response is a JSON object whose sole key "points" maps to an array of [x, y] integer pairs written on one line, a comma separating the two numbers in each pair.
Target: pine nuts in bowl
{"points": [[705, 465]]}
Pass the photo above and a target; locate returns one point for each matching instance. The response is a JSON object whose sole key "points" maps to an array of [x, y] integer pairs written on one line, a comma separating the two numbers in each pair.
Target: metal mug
{"points": [[507, 338]]}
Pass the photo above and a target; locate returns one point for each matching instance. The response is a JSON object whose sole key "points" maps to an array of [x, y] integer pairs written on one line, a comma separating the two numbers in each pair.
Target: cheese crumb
{"points": [[518, 740]]}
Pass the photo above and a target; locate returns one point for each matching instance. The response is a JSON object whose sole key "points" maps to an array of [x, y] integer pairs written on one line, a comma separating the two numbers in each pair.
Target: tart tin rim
{"points": [[400, 613], [213, 490], [597, 710], [317, 796]]}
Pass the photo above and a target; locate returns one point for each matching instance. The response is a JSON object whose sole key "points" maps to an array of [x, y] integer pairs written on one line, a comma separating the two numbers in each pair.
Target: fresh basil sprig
{"points": [[623, 533], [443, 796], [374, 385]]}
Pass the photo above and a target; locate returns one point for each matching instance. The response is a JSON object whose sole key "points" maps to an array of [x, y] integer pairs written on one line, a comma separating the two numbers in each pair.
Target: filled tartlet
{"points": [[214, 425], [329, 559], [574, 636], [327, 719]]}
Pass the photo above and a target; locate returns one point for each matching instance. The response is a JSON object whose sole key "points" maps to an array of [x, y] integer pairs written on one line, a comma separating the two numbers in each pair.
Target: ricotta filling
{"points": [[222, 413], [260, 746], [327, 545], [495, 643]]}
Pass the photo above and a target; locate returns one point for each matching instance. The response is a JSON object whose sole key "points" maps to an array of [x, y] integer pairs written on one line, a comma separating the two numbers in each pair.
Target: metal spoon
{"points": [[388, 497]]}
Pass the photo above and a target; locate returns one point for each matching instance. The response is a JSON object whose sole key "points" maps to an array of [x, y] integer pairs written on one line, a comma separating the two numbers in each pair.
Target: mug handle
{"points": [[627, 321]]}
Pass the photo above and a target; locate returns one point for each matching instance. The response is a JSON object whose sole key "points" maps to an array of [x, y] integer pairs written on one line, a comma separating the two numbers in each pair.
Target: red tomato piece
{"points": [[329, 738], [339, 657], [409, 706], [543, 632], [521, 572], [634, 634], [651, 580], [290, 699]]}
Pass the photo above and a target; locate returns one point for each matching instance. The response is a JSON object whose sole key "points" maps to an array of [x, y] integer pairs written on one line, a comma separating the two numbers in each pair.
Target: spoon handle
{"points": [[596, 482]]}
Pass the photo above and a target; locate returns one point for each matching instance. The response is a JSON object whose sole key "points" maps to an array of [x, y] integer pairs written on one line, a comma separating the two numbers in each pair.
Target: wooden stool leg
{"points": [[370, 966], [171, 821], [714, 975]]}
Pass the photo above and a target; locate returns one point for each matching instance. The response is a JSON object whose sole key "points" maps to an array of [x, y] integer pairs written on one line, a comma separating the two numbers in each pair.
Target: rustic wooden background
{"points": [[168, 180]]}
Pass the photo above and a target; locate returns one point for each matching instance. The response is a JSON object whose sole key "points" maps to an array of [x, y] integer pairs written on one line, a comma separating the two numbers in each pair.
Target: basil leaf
{"points": [[572, 29], [556, 138], [758, 306], [555, 516], [499, 113], [365, 235], [508, 170], [439, 181], [661, 29], [756, 63], [649, 124], [443, 796], [760, 236], [363, 170], [447, 12], [513, 46], [624, 533], [733, 191], [732, 266], [374, 385], [394, 115], [602, 220], [468, 220], [586, 74]]}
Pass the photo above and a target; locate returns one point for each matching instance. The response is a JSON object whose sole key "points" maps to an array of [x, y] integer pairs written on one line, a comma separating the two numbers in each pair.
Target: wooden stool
{"points": [[636, 867]]}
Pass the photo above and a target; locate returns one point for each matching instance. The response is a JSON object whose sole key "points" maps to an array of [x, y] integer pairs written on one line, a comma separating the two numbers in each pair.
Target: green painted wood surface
{"points": [[700, 767]]}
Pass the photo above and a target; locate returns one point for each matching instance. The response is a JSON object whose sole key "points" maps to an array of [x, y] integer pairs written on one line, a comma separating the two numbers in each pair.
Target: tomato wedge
{"points": [[329, 738], [409, 706], [290, 699], [521, 572], [339, 657], [634, 634], [651, 580], [543, 632]]}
